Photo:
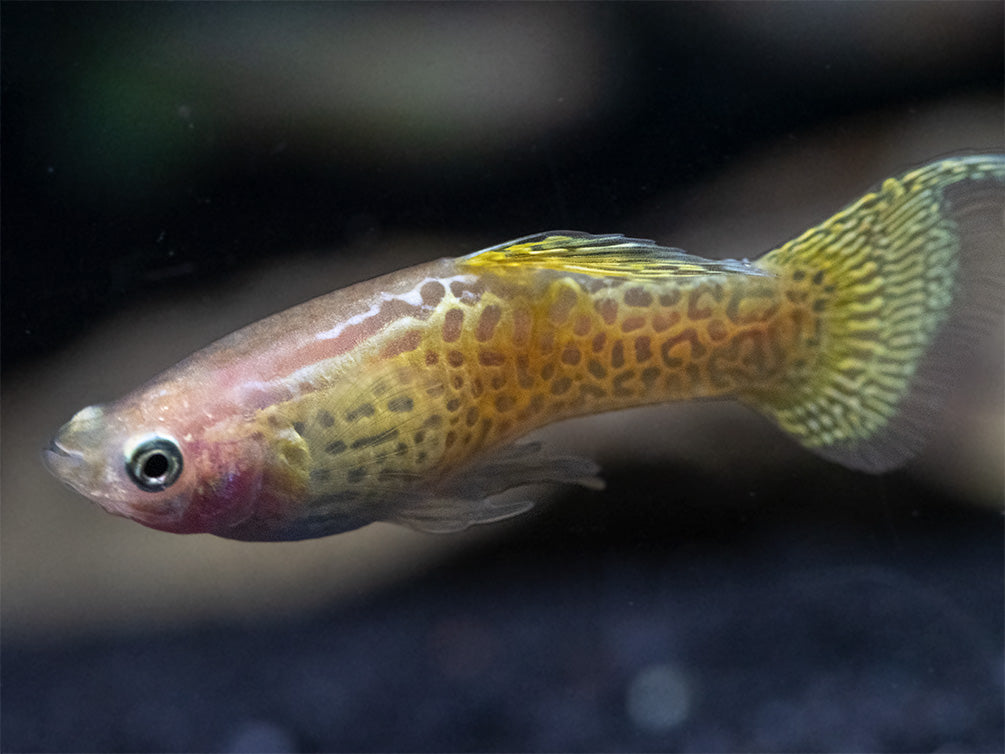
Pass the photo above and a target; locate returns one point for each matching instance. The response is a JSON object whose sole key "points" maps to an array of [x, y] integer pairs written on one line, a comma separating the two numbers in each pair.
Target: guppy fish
{"points": [[402, 398]]}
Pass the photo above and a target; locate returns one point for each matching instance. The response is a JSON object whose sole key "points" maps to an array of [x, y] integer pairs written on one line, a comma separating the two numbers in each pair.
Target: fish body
{"points": [[402, 398]]}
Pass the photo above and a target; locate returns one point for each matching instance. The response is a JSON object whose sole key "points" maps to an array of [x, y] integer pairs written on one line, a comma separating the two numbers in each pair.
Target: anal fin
{"points": [[467, 497]]}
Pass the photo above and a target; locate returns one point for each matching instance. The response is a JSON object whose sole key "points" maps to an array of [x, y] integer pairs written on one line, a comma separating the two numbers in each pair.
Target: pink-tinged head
{"points": [[151, 459]]}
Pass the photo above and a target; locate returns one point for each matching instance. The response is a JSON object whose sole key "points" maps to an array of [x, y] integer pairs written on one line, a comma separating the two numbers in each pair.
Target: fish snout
{"points": [[66, 454]]}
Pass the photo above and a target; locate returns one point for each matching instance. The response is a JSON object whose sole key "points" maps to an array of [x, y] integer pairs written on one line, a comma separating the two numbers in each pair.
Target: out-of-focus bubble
{"points": [[659, 698], [260, 737]]}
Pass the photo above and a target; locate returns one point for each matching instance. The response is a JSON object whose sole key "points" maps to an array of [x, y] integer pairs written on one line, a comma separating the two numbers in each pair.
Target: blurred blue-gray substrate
{"points": [[719, 637]]}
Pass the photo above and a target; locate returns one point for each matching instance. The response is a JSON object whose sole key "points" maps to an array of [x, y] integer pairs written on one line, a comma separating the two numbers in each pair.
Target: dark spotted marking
{"points": [[596, 369], [562, 306], [752, 305], [607, 308], [717, 329], [298, 427], [320, 475], [407, 342], [643, 351], [663, 321], [432, 292], [325, 419], [561, 385], [695, 310], [618, 355], [670, 298], [491, 358], [336, 447], [400, 404], [377, 439], [689, 336], [649, 376], [360, 412], [638, 297], [453, 321], [356, 475], [571, 356], [504, 403], [432, 358], [582, 325], [633, 323], [455, 358], [487, 322], [619, 383]]}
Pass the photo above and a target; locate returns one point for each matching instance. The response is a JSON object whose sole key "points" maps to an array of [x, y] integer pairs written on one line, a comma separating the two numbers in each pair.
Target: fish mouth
{"points": [[64, 455], [65, 464]]}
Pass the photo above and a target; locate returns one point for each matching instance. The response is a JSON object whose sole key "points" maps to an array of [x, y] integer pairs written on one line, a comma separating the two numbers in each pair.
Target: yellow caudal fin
{"points": [[903, 279], [601, 256]]}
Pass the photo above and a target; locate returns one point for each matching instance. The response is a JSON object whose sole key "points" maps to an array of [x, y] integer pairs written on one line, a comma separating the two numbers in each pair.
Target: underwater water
{"points": [[174, 172]]}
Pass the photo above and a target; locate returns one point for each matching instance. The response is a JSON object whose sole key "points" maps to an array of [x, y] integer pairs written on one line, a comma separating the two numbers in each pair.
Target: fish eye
{"points": [[155, 464]]}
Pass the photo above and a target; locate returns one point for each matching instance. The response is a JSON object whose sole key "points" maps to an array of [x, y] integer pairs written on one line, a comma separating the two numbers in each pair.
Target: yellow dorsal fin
{"points": [[602, 256]]}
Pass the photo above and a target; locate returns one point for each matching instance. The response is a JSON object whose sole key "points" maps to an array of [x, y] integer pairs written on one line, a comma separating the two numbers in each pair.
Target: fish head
{"points": [[150, 459]]}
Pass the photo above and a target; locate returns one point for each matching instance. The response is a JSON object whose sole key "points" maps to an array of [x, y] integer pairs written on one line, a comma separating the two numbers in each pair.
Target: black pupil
{"points": [[155, 465]]}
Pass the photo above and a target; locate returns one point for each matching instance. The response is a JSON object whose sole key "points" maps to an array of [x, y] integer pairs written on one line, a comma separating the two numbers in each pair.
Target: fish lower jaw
{"points": [[64, 464]]}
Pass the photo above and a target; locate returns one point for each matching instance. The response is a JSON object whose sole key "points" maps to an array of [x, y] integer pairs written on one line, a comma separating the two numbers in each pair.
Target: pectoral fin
{"points": [[466, 498]]}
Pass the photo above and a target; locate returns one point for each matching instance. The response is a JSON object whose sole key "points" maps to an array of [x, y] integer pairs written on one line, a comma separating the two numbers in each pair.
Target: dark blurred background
{"points": [[173, 171]]}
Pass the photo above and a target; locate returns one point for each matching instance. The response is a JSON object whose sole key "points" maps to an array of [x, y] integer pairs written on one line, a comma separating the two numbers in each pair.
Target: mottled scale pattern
{"points": [[500, 357], [404, 398], [886, 271], [824, 335]]}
